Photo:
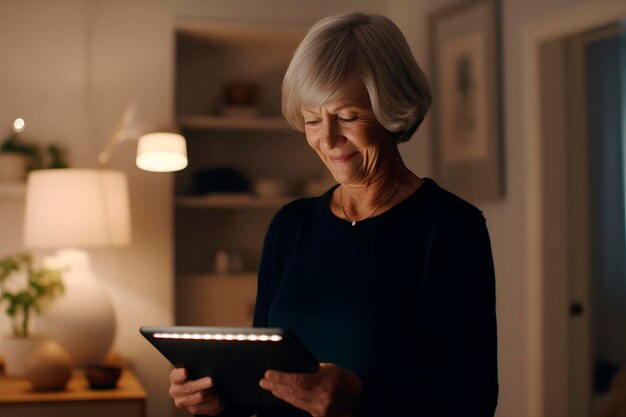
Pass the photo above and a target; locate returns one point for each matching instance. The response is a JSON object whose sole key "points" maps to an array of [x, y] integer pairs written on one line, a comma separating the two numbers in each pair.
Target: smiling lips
{"points": [[340, 159]]}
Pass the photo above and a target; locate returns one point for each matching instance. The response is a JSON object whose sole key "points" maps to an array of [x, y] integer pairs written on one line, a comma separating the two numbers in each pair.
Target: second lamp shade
{"points": [[161, 152]]}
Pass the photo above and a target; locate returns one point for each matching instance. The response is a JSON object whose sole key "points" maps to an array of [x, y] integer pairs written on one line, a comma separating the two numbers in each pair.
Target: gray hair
{"points": [[370, 47]]}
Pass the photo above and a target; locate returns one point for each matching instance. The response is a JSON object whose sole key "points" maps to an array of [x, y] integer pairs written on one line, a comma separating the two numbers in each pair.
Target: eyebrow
{"points": [[309, 110]]}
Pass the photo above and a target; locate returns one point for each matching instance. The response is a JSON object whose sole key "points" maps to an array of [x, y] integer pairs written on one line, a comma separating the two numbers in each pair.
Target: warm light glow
{"points": [[219, 336], [161, 152], [81, 208], [19, 125]]}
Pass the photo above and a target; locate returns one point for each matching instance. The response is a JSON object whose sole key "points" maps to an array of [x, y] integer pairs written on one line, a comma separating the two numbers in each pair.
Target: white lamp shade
{"points": [[83, 208], [162, 152]]}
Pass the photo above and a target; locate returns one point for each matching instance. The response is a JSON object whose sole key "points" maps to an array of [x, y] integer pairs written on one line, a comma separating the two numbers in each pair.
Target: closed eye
{"points": [[348, 120], [311, 122]]}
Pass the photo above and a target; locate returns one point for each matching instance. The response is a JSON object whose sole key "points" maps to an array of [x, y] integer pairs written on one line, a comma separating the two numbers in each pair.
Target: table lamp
{"points": [[74, 210]]}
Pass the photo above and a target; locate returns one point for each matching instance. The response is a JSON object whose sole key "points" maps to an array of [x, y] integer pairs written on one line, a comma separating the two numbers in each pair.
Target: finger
{"points": [[191, 387], [290, 394], [199, 398], [178, 375], [291, 378], [212, 407], [305, 394], [288, 389], [206, 409]]}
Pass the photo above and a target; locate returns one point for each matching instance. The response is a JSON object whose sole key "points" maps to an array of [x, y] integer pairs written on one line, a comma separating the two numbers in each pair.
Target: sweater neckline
{"points": [[327, 212]]}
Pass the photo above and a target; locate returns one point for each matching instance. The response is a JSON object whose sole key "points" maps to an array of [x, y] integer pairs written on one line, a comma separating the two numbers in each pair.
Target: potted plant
{"points": [[22, 290], [17, 157]]}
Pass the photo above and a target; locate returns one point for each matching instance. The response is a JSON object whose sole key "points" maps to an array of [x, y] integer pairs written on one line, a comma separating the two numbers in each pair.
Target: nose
{"points": [[331, 134]]}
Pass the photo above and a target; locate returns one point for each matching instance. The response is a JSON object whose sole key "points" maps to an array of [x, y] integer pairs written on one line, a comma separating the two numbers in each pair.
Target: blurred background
{"points": [[556, 111]]}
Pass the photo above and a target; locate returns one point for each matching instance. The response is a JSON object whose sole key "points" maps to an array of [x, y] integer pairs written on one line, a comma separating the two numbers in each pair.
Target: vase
{"points": [[82, 320], [17, 351]]}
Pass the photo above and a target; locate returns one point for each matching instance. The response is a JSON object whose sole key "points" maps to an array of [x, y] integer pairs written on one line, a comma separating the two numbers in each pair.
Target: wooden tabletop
{"points": [[20, 391]]}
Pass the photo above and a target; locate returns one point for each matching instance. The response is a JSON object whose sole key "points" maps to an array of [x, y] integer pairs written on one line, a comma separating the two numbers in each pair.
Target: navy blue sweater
{"points": [[405, 300]]}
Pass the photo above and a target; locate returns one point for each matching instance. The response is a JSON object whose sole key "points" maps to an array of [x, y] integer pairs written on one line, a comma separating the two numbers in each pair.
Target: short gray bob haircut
{"points": [[373, 49]]}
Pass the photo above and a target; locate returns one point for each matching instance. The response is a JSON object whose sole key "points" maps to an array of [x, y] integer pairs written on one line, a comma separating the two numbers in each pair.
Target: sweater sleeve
{"points": [[462, 276], [455, 371]]}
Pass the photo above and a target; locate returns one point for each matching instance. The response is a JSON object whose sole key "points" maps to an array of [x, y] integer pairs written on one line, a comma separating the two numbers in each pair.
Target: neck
{"points": [[360, 200]]}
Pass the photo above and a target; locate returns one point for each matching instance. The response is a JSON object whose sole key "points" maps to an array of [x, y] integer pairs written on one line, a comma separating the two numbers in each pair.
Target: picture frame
{"points": [[467, 103]]}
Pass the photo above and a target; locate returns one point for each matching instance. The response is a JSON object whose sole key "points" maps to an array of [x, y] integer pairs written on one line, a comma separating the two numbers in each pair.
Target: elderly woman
{"points": [[387, 278]]}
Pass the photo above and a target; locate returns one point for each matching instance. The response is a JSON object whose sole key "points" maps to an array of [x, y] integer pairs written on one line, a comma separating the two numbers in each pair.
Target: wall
{"points": [[74, 64], [43, 79], [555, 231], [69, 68]]}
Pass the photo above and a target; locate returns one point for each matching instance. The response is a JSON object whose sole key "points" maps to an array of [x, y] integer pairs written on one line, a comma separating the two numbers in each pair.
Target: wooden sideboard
{"points": [[128, 399]]}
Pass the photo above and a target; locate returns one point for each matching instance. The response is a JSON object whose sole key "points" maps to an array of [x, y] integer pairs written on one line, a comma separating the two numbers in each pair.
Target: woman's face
{"points": [[347, 137]]}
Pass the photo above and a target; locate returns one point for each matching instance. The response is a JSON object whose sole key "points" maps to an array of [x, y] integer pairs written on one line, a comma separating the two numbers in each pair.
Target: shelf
{"points": [[12, 189], [268, 124], [232, 201]]}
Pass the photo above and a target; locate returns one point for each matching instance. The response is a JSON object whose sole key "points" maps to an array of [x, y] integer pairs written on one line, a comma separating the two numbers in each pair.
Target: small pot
{"points": [[17, 352], [13, 167]]}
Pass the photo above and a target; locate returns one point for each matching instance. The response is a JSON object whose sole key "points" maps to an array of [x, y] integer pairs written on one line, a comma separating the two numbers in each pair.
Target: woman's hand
{"points": [[195, 396], [332, 391]]}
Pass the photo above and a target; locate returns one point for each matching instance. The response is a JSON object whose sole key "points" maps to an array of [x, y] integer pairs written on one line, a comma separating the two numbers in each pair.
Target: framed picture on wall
{"points": [[467, 110]]}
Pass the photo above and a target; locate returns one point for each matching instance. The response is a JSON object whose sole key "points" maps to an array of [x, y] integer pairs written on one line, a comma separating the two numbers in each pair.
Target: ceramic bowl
{"points": [[102, 377]]}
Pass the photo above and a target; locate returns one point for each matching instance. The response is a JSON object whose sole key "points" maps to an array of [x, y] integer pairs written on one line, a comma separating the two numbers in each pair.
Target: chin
{"points": [[337, 176], [343, 178], [344, 174]]}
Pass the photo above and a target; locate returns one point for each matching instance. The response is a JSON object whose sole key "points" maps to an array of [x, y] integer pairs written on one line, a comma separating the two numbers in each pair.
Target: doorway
{"points": [[582, 81], [606, 100]]}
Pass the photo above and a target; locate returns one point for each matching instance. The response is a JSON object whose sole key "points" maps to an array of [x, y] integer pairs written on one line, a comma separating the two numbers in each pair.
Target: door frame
{"points": [[577, 19]]}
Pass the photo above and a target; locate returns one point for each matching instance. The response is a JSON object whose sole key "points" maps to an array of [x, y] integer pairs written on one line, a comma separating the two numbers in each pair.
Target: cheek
{"points": [[310, 140], [364, 137], [373, 136], [313, 141]]}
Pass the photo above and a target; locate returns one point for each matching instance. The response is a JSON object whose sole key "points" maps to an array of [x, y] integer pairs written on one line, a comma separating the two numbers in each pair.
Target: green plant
{"points": [[12, 144], [24, 299], [55, 155]]}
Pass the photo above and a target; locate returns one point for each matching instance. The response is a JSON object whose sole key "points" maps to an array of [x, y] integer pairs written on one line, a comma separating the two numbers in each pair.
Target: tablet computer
{"points": [[236, 358]]}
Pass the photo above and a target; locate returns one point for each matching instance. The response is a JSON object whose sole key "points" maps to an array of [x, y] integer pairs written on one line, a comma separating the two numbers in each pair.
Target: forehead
{"points": [[350, 94]]}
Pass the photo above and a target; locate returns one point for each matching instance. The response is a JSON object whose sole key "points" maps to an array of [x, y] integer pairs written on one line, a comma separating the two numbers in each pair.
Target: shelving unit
{"points": [[232, 201], [210, 55], [227, 300], [234, 123]]}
